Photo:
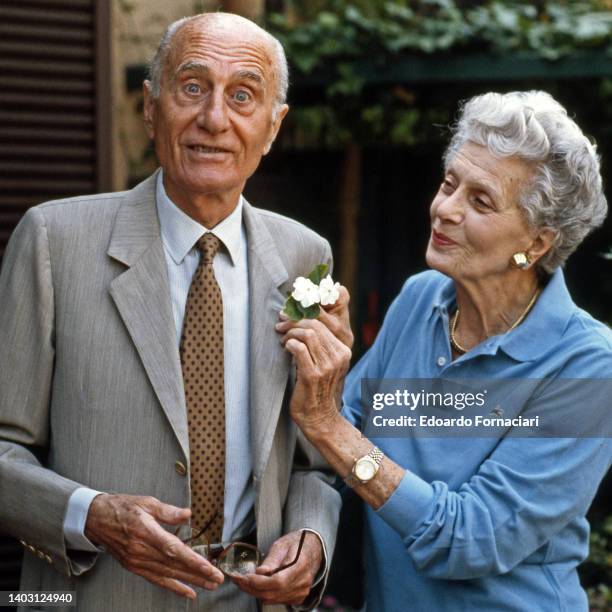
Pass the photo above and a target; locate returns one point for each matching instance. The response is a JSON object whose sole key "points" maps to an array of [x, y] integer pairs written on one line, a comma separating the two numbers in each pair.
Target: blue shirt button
{"points": [[441, 361]]}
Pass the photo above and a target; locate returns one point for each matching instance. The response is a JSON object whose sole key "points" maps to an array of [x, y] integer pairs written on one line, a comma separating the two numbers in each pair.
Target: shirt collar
{"points": [[542, 328], [544, 325], [180, 232]]}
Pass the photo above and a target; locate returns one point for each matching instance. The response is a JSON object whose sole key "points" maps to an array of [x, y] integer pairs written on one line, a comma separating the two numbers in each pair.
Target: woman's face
{"points": [[476, 221]]}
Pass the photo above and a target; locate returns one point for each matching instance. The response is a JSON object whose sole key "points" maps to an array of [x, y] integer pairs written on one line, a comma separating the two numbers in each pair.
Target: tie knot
{"points": [[208, 245]]}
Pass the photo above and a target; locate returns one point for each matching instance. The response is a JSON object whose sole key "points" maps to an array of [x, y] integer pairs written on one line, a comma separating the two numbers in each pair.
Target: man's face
{"points": [[213, 120]]}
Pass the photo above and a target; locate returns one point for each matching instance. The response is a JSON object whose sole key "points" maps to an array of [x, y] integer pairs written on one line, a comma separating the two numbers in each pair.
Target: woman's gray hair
{"points": [[160, 58], [566, 194]]}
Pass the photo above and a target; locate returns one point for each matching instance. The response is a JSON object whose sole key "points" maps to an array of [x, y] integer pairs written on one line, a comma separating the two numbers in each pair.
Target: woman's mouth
{"points": [[441, 239]]}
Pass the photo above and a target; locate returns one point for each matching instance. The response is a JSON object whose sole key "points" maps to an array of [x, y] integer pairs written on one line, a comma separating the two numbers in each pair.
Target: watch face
{"points": [[364, 470]]}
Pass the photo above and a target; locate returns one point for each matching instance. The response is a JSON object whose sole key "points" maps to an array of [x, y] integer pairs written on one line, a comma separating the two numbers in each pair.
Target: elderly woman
{"points": [[481, 522]]}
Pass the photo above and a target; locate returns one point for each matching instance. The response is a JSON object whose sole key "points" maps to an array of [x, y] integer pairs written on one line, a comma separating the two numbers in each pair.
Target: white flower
{"points": [[329, 291], [305, 292]]}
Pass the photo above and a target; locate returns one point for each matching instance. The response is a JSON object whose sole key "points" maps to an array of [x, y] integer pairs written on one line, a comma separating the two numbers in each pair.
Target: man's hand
{"points": [[290, 586], [128, 526]]}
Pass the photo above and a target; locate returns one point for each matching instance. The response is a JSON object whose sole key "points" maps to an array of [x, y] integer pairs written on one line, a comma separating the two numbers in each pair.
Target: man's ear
{"points": [[148, 109], [542, 243], [278, 119]]}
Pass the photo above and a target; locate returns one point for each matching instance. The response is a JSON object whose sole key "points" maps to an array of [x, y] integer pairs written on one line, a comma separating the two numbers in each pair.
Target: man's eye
{"points": [[242, 96], [192, 88]]}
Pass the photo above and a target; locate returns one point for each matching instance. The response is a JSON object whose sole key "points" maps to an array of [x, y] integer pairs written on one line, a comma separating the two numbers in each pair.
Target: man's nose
{"points": [[213, 116]]}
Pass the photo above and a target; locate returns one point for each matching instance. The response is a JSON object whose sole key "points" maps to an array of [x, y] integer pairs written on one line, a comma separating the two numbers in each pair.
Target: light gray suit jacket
{"points": [[90, 373]]}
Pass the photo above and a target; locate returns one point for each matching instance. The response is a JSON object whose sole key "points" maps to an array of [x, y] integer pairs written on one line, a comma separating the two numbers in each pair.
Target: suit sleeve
{"points": [[312, 500], [34, 498]]}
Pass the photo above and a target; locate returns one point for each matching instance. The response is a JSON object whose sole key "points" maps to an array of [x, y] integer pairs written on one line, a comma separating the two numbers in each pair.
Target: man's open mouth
{"points": [[206, 149]]}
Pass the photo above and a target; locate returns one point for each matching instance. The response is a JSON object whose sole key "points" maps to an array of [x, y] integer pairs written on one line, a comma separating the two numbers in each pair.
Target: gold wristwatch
{"points": [[365, 468]]}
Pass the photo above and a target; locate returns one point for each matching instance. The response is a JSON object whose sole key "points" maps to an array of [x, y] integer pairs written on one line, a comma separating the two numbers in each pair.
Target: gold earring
{"points": [[521, 260]]}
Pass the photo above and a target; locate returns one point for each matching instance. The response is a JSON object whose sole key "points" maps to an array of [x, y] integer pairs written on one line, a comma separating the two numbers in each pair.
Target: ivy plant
{"points": [[337, 40]]}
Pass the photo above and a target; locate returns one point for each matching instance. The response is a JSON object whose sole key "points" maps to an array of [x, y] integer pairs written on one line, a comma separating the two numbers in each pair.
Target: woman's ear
{"points": [[542, 243]]}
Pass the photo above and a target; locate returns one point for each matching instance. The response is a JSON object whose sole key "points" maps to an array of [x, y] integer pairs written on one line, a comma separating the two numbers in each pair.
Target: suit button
{"points": [[180, 468]]}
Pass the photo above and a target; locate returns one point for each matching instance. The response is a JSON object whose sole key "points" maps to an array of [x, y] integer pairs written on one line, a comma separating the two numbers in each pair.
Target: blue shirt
{"points": [[482, 523]]}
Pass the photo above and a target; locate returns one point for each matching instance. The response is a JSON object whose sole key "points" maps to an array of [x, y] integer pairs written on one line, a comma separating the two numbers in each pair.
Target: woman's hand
{"points": [[336, 318], [321, 351]]}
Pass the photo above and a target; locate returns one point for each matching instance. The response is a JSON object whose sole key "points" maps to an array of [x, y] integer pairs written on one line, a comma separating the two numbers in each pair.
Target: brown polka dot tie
{"points": [[202, 363]]}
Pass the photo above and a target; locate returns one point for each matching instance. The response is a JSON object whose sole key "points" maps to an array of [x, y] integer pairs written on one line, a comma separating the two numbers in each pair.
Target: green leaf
{"points": [[292, 309], [318, 274], [312, 312], [328, 20]]}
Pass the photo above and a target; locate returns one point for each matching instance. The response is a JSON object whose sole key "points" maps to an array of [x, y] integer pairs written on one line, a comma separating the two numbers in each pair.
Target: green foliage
{"points": [[338, 41], [294, 310], [318, 274], [382, 28], [597, 570]]}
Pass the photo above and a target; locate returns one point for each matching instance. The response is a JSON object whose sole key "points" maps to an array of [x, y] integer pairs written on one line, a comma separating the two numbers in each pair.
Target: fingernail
{"points": [[283, 316]]}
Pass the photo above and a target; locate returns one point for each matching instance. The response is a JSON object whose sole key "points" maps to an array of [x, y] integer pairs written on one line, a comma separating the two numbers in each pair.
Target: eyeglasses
{"points": [[237, 558]]}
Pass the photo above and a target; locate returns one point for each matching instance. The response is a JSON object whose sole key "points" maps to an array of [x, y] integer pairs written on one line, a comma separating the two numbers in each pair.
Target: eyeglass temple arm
{"points": [[295, 560], [204, 529]]}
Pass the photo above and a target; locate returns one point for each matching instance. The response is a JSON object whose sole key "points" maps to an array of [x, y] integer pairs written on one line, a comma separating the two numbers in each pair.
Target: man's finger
{"points": [[169, 583], [277, 556], [178, 551], [168, 514], [164, 571]]}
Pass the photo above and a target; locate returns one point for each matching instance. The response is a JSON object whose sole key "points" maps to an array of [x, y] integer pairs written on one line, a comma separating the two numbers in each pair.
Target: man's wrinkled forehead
{"points": [[235, 41]]}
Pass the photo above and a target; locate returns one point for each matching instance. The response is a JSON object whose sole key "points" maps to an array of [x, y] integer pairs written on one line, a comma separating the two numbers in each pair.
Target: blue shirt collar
{"points": [[180, 232], [542, 328]]}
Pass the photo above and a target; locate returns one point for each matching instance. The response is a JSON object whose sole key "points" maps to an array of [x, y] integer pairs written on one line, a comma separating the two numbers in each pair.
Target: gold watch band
{"points": [[375, 456]]}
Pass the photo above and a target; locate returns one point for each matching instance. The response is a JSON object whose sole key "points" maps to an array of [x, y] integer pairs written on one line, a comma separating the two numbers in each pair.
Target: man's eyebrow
{"points": [[193, 66], [250, 75]]}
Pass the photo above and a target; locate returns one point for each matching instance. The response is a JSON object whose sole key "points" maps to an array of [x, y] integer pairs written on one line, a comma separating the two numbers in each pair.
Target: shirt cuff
{"points": [[409, 505], [75, 519]]}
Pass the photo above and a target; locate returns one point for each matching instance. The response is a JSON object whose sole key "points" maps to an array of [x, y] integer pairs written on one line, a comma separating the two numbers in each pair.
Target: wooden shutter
{"points": [[48, 145], [54, 123]]}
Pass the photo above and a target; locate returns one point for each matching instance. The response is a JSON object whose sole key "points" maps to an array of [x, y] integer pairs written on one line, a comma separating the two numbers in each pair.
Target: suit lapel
{"points": [[142, 296], [269, 362]]}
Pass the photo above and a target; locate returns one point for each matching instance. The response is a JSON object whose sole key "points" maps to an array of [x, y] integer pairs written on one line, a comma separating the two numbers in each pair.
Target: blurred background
{"points": [[374, 85]]}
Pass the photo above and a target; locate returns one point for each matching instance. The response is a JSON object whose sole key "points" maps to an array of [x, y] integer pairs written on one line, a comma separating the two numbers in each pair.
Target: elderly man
{"points": [[139, 355]]}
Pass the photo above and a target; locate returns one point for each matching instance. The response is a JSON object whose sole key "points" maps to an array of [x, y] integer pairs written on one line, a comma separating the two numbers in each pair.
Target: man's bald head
{"points": [[218, 23]]}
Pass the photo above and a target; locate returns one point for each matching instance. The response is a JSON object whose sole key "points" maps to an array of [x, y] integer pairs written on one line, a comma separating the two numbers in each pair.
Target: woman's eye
{"points": [[242, 96], [447, 186], [482, 203]]}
